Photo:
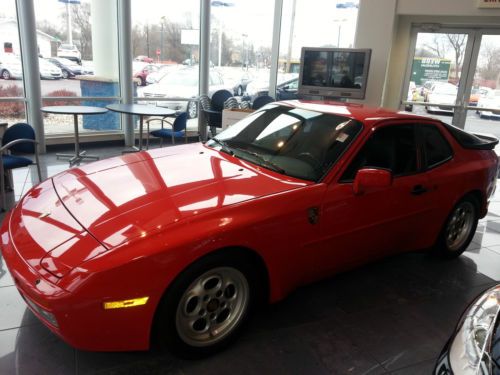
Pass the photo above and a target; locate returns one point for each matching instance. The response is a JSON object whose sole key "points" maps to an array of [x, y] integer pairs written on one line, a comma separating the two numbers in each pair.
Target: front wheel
{"points": [[205, 307], [65, 74], [6, 74], [192, 109], [459, 228]]}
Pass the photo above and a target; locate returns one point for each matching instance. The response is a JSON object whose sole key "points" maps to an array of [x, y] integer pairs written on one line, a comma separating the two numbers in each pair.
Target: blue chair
{"points": [[261, 101], [213, 115], [178, 129], [17, 139]]}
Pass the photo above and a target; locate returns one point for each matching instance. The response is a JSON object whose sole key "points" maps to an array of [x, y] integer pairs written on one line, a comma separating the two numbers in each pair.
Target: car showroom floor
{"points": [[392, 316]]}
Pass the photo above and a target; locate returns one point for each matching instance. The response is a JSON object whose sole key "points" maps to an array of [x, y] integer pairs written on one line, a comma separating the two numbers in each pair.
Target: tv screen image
{"points": [[334, 72]]}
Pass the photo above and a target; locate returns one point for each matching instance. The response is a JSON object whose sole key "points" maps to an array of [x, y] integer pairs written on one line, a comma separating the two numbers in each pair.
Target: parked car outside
{"points": [[474, 347], [69, 68], [70, 52], [478, 93], [293, 193], [154, 77], [10, 67], [145, 59], [49, 70], [142, 71], [412, 96], [286, 89], [492, 101], [238, 79], [441, 93], [182, 83]]}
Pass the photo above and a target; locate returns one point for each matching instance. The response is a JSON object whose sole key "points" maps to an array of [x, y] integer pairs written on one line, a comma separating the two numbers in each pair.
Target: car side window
{"points": [[391, 147], [436, 147]]}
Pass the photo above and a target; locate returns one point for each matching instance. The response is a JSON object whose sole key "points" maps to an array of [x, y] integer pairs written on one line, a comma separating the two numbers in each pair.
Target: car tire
{"points": [[218, 292], [459, 228], [192, 109], [6, 74], [65, 74], [239, 91]]}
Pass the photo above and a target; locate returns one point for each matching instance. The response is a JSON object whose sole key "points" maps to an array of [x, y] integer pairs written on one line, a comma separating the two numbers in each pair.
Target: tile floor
{"points": [[392, 316]]}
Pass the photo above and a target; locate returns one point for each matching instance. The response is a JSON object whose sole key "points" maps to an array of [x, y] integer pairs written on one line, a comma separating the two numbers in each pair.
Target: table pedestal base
{"points": [[76, 158]]}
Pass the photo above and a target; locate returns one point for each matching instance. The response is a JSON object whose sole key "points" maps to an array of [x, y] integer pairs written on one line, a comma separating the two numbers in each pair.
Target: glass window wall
{"points": [[165, 47], [302, 25], [12, 110], [78, 58]]}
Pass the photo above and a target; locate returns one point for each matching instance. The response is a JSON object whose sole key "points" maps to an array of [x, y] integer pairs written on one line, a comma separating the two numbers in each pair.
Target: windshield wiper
{"points": [[223, 146], [266, 163]]}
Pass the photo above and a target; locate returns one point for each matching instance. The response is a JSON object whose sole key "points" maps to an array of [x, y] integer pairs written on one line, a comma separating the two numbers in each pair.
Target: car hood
{"points": [[136, 195]]}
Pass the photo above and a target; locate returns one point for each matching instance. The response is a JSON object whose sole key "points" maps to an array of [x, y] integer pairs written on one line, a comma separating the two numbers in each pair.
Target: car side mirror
{"points": [[371, 178]]}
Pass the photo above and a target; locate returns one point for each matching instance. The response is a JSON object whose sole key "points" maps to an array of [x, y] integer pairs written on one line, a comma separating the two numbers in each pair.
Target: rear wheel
{"points": [[206, 306], [5, 74], [192, 109], [459, 228]]}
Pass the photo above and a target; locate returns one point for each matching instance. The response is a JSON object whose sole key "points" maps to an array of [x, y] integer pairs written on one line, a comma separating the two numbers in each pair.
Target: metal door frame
{"points": [[459, 110], [469, 64]]}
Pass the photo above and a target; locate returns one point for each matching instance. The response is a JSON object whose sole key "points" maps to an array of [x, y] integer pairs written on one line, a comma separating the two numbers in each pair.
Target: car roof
{"points": [[367, 114]]}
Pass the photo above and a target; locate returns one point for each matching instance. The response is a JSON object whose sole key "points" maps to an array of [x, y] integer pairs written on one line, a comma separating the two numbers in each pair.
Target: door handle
{"points": [[418, 190]]}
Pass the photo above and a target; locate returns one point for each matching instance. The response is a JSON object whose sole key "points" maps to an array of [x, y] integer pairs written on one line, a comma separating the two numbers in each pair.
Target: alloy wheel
{"points": [[212, 306], [459, 226]]}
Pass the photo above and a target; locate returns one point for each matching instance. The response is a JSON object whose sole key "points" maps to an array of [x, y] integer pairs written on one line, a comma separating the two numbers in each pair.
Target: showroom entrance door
{"points": [[452, 74]]}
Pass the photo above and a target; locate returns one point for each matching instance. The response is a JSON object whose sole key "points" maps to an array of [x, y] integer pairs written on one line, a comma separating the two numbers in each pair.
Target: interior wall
{"points": [[385, 27], [371, 33]]}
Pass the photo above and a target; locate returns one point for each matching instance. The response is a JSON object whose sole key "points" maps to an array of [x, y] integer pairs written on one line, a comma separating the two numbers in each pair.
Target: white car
{"points": [[441, 93], [183, 84], [49, 70], [10, 67], [491, 100], [70, 52]]}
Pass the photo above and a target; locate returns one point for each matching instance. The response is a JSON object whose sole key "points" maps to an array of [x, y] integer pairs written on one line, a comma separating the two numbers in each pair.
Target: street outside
{"points": [[54, 123]]}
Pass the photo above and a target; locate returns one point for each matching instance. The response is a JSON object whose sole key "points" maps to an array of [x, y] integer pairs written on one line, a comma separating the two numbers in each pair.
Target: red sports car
{"points": [[180, 243]]}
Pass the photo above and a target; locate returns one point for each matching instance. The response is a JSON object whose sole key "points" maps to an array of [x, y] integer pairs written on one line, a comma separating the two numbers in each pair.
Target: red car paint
{"points": [[125, 227]]}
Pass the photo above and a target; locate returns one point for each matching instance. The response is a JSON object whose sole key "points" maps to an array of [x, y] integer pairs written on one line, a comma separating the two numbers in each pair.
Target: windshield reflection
{"points": [[291, 141]]}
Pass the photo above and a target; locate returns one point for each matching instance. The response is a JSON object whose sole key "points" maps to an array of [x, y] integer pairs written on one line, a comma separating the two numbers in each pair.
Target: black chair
{"points": [[17, 139], [178, 129], [213, 115], [261, 101]]}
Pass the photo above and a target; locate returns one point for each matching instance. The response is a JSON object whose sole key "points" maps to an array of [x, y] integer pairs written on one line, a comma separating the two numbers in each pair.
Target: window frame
{"points": [[421, 140], [391, 123]]}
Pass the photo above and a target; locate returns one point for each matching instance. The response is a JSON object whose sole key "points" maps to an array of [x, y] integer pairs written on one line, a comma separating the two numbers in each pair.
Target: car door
{"points": [[382, 220]]}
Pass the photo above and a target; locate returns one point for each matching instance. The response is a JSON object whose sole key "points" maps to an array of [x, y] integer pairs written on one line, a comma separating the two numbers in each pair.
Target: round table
{"points": [[75, 110], [141, 110]]}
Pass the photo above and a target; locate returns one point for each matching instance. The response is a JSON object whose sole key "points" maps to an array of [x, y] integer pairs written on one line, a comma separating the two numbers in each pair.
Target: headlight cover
{"points": [[469, 352]]}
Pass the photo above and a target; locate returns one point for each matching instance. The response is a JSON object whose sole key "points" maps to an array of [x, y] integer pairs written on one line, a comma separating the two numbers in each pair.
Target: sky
{"points": [[316, 21]]}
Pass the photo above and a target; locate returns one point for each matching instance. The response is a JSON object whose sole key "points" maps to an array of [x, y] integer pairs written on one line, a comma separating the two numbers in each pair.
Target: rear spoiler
{"points": [[488, 142], [473, 141]]}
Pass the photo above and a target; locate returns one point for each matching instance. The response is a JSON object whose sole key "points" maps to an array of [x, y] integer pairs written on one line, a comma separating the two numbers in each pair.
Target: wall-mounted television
{"points": [[334, 72]]}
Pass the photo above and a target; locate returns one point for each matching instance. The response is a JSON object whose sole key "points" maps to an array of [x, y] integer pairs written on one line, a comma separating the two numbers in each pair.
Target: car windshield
{"points": [[292, 141]]}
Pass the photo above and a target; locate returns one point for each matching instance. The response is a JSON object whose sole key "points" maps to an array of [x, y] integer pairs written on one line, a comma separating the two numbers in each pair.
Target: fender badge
{"points": [[45, 214]]}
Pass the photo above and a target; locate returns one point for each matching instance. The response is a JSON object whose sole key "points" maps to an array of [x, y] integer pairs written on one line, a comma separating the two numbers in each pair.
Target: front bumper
{"points": [[76, 316]]}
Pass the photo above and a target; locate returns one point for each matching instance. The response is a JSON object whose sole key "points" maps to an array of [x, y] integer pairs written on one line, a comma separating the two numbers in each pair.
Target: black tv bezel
{"points": [[335, 92]]}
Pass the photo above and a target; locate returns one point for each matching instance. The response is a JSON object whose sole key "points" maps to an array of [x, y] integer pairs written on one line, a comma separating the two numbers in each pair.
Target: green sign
{"points": [[430, 69]]}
